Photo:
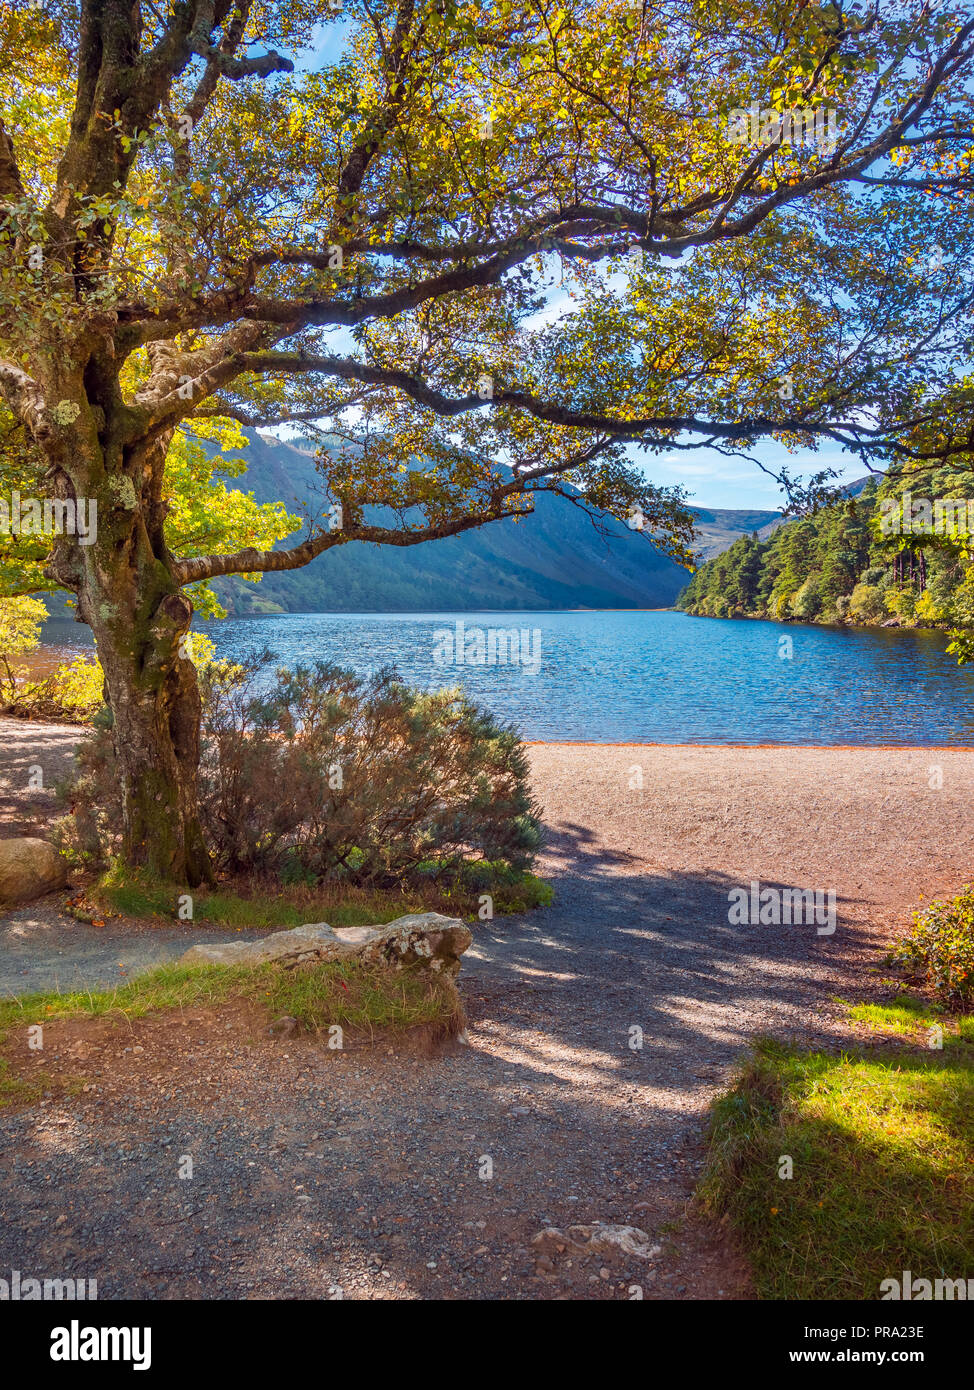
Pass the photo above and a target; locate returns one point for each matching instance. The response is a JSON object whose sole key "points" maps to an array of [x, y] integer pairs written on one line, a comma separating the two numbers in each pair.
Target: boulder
{"points": [[597, 1239], [29, 868], [422, 940], [285, 1027]]}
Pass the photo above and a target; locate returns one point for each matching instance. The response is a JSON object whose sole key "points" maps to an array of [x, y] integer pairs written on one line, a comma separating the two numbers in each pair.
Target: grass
{"points": [[136, 894], [348, 992], [364, 998], [14, 1091], [166, 987], [359, 998], [882, 1146], [912, 1018]]}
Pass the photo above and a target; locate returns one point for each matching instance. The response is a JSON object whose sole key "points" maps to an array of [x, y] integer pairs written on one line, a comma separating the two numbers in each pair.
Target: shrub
{"points": [[72, 691], [20, 628], [779, 605], [807, 602], [939, 949], [901, 602], [928, 610], [325, 775], [866, 603], [20, 624]]}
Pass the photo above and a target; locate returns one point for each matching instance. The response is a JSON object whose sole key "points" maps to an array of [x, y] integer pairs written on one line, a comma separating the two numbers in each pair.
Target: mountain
{"points": [[552, 559], [719, 528]]}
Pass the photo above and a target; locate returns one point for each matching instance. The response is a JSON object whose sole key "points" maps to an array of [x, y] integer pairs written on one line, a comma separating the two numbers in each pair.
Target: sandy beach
{"points": [[673, 829], [866, 821], [883, 826]]}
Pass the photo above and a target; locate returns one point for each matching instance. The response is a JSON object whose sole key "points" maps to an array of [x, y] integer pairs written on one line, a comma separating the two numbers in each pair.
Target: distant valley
{"points": [[554, 559]]}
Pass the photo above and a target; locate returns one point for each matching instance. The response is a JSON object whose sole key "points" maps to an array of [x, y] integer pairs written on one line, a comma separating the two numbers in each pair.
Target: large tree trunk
{"points": [[139, 616], [154, 698]]}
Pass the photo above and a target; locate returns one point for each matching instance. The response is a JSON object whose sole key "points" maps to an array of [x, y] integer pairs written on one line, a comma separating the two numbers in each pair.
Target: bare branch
{"points": [[661, 426]]}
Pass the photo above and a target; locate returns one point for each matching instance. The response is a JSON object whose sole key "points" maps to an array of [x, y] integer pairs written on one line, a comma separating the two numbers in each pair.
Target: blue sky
{"points": [[710, 479], [714, 481]]}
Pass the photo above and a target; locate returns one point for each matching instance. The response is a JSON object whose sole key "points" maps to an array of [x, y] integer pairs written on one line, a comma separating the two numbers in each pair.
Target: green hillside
{"points": [[553, 559]]}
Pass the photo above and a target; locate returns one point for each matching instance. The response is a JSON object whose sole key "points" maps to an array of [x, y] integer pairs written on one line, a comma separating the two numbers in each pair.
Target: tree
{"points": [[197, 228]]}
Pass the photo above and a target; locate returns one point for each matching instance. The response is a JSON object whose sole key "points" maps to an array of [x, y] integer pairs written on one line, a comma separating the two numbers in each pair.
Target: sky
{"points": [[714, 481], [710, 479]]}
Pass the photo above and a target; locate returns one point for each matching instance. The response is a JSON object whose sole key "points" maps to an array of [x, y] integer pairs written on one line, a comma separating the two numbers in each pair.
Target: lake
{"points": [[644, 677]]}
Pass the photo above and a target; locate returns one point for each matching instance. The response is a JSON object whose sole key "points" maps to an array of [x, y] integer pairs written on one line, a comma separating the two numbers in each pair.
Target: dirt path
{"points": [[361, 1171], [27, 800], [42, 947]]}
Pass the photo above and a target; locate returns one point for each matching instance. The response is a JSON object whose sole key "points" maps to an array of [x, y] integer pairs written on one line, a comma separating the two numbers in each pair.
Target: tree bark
{"points": [[153, 694], [129, 596], [154, 697]]}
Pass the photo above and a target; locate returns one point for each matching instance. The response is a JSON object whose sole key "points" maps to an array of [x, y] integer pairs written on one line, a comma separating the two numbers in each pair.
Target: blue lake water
{"points": [[657, 677], [645, 677]]}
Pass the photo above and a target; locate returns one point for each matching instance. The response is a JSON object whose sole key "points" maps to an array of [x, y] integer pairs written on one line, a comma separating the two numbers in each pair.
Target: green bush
{"points": [[779, 605], [325, 776], [807, 602], [901, 601], [866, 603], [72, 691], [939, 949]]}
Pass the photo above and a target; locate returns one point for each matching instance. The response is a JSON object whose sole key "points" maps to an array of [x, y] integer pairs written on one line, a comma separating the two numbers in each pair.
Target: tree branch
{"points": [[11, 184], [264, 561], [25, 399], [348, 369]]}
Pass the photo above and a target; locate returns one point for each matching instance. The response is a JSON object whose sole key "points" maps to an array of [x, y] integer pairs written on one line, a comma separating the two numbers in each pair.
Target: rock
{"points": [[422, 940], [550, 1241], [596, 1240], [285, 1027], [29, 868]]}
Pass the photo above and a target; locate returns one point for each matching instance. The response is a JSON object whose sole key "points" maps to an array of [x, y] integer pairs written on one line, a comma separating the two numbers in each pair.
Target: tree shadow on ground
{"points": [[313, 1165], [619, 950]]}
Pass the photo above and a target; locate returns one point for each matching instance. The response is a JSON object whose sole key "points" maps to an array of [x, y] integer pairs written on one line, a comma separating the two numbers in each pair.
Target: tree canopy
{"points": [[375, 242], [492, 248]]}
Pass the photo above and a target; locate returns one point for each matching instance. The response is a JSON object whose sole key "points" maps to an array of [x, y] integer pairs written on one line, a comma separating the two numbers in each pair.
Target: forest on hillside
{"points": [[871, 559]]}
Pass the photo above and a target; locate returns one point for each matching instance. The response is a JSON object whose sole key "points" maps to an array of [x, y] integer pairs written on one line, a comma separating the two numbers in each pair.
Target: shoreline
{"points": [[818, 747], [44, 722]]}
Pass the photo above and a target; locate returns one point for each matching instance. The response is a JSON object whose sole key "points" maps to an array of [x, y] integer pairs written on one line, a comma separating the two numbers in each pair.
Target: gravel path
{"points": [[42, 947], [363, 1173], [27, 748]]}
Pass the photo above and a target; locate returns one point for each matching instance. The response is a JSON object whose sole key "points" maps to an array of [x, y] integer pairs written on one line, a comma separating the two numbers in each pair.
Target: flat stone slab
{"points": [[599, 1238], [421, 940]]}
